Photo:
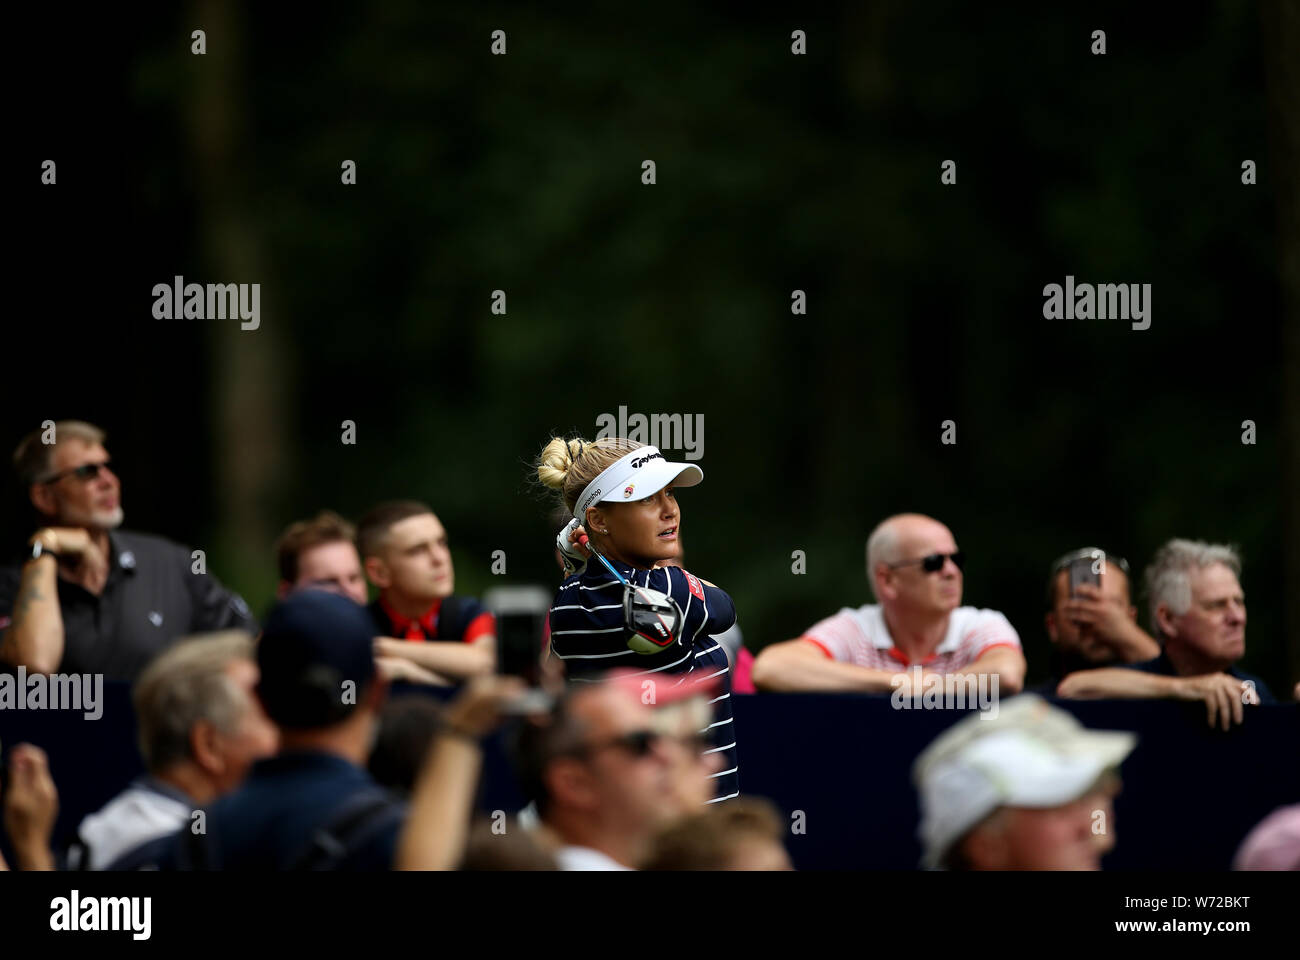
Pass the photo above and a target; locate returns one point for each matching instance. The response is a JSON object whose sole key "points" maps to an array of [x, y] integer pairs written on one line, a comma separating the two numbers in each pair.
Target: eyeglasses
{"points": [[85, 473], [934, 562]]}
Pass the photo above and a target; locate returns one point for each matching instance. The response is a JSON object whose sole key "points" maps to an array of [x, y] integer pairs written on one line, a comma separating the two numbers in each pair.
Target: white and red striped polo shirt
{"points": [[861, 637]]}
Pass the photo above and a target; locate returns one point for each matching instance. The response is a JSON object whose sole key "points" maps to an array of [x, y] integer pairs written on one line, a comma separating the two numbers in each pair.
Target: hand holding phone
{"points": [[1084, 570]]}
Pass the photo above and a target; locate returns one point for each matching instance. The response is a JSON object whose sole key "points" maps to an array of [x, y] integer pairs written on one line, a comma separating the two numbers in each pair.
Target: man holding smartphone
{"points": [[1090, 617], [1198, 607]]}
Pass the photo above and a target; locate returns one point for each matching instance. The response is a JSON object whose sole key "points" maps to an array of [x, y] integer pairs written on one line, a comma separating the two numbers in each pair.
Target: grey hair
{"points": [[32, 458], [882, 547], [185, 684], [1168, 575]]}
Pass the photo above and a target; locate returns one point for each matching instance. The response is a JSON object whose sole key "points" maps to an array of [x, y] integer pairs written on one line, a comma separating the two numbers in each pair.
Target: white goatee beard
{"points": [[110, 520]]}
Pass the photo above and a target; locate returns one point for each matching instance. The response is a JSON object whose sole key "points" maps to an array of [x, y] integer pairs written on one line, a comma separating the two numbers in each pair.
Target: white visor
{"points": [[640, 474]]}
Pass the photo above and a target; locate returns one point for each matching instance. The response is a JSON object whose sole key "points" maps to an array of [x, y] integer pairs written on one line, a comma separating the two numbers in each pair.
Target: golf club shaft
{"points": [[608, 566]]}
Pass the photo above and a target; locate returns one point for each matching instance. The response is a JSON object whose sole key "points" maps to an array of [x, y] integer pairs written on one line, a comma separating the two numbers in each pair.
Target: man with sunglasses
{"points": [[915, 571], [607, 772], [89, 597]]}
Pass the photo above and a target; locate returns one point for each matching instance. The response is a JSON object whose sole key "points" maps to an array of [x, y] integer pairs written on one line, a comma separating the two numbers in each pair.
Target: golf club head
{"points": [[653, 619]]}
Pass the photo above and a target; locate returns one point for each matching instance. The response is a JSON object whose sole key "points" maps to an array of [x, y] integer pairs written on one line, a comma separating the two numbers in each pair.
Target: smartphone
{"points": [[1081, 572], [521, 613]]}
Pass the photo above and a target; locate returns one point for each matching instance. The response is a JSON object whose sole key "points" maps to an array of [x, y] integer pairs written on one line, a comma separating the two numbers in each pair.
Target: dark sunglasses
{"points": [[934, 562], [639, 743], [85, 472]]}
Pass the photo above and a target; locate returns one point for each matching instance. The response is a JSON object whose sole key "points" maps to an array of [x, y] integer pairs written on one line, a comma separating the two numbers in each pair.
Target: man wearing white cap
{"points": [[626, 608], [1027, 789]]}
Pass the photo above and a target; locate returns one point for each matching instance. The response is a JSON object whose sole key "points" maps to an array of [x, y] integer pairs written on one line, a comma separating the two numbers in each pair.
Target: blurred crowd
{"points": [[310, 741]]}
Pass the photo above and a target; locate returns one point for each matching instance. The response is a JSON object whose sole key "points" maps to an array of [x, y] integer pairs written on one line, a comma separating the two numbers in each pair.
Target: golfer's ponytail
{"points": [[569, 465]]}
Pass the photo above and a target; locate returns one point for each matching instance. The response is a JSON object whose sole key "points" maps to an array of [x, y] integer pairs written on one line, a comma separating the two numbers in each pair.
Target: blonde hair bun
{"points": [[556, 459]]}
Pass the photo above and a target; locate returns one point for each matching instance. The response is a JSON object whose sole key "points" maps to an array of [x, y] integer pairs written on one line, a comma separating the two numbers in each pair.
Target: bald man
{"points": [[916, 629]]}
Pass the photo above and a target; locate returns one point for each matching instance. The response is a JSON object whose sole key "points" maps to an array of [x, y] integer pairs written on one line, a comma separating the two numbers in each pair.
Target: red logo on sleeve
{"points": [[693, 582]]}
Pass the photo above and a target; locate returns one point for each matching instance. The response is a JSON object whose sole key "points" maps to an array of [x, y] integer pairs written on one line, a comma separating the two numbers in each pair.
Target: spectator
{"points": [[1092, 626], [488, 849], [313, 805], [1019, 790], [605, 777], [915, 572], [407, 726], [200, 729], [321, 553], [437, 831], [31, 806], [89, 597], [1198, 611], [746, 835], [418, 616], [1273, 844]]}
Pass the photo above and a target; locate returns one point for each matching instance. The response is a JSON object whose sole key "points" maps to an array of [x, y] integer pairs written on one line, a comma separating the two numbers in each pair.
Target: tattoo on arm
{"points": [[26, 596]]}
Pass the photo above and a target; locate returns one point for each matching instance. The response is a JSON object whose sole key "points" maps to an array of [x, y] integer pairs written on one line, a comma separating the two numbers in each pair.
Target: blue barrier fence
{"points": [[1190, 793]]}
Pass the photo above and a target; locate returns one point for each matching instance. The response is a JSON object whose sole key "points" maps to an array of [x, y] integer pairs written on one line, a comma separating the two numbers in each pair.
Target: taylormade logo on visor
{"points": [[639, 474]]}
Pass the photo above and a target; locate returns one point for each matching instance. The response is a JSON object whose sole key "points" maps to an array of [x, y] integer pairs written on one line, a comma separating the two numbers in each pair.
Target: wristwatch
{"points": [[39, 549]]}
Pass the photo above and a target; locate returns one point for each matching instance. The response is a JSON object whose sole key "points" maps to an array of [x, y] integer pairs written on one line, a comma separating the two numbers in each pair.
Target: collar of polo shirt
{"points": [[644, 469]]}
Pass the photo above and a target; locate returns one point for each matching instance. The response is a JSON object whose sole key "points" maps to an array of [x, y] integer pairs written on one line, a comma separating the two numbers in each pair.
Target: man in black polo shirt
{"points": [[89, 597], [417, 616], [1199, 611]]}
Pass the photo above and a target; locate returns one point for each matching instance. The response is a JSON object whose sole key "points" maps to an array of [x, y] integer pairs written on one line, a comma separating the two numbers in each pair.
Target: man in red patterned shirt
{"points": [[417, 616], [918, 628]]}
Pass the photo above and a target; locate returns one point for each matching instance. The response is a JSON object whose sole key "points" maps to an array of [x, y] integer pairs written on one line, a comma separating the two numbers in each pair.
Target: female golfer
{"points": [[622, 497]]}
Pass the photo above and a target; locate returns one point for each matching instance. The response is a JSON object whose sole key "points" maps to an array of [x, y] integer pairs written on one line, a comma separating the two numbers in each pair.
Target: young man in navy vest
{"points": [[404, 549]]}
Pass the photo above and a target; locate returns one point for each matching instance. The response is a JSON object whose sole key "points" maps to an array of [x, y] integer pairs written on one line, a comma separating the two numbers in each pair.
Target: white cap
{"points": [[1028, 754], [635, 476]]}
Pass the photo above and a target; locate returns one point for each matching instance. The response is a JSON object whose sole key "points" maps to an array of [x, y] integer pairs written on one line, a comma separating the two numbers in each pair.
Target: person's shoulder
{"points": [[469, 606], [864, 622], [694, 585], [868, 616], [982, 619], [575, 858], [364, 826], [158, 853], [976, 614], [1261, 688], [585, 588]]}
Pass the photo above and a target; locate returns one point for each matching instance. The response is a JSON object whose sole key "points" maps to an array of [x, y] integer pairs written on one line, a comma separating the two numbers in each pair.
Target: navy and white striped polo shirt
{"points": [[588, 634]]}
